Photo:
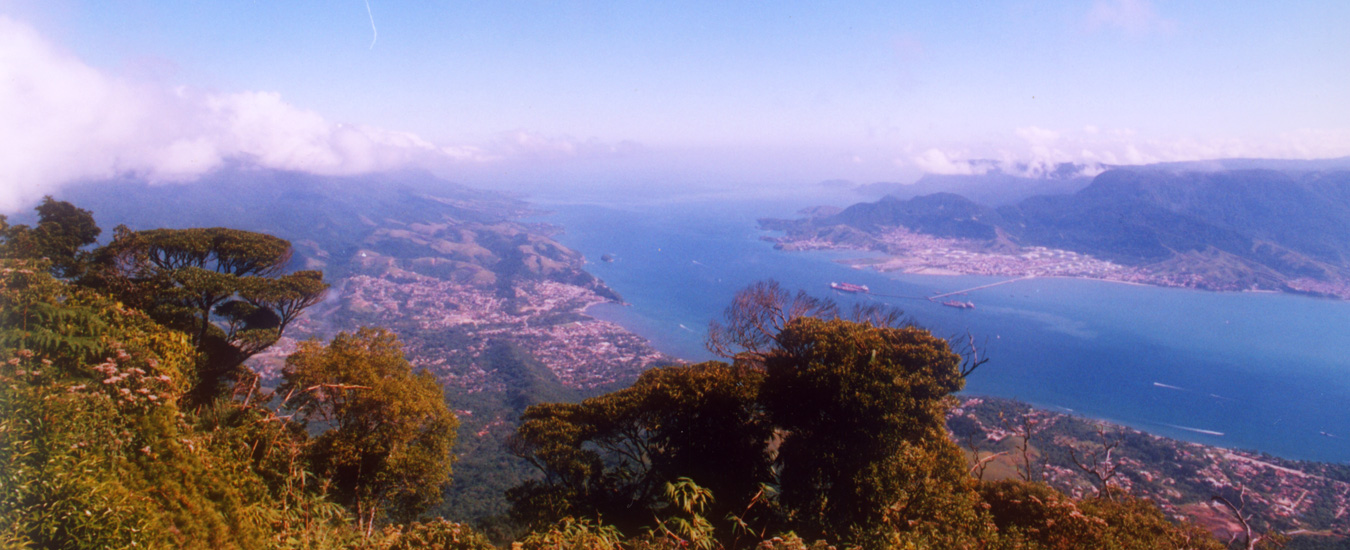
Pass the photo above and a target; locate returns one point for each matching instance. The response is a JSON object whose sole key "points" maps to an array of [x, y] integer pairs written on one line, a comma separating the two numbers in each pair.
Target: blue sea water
{"points": [[1268, 372]]}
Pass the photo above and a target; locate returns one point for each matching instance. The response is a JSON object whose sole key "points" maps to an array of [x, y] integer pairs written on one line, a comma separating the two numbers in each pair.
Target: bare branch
{"points": [[982, 464], [755, 317], [1237, 513], [971, 359], [1099, 464]]}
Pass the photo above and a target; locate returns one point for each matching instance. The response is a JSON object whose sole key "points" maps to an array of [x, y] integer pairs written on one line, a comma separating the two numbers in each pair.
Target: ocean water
{"points": [[1267, 372]]}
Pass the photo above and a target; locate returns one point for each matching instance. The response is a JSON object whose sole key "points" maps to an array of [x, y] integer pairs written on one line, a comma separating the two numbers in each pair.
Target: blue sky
{"points": [[747, 92]]}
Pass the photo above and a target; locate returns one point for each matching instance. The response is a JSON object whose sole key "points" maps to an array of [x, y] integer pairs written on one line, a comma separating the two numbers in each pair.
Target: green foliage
{"points": [[437, 534], [97, 455], [685, 525], [865, 453], [613, 455], [573, 534], [1033, 515], [222, 286], [62, 231], [35, 314], [387, 451], [790, 541]]}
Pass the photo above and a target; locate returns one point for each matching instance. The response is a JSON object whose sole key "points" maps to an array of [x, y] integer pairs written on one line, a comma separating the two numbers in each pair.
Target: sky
{"points": [[562, 93]]}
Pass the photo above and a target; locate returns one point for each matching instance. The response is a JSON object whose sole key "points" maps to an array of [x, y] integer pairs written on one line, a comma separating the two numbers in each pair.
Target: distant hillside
{"points": [[940, 214], [1285, 229], [994, 187], [1297, 224], [334, 214]]}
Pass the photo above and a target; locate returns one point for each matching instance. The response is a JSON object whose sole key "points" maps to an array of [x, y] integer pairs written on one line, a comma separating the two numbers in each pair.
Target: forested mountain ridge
{"points": [[1251, 228]]}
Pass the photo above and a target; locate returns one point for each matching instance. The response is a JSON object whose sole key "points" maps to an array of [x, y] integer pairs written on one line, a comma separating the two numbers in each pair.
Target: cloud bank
{"points": [[63, 121], [1033, 151]]}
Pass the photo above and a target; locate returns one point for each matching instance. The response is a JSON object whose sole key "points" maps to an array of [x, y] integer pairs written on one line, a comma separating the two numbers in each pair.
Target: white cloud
{"points": [[63, 121], [1035, 151], [937, 161], [1130, 16]]}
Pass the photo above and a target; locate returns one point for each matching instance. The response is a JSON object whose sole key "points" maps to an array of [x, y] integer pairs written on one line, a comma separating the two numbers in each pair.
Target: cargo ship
{"points": [[850, 287]]}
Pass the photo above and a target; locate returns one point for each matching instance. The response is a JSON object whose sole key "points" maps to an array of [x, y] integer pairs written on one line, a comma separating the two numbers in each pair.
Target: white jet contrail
{"points": [[374, 30]]}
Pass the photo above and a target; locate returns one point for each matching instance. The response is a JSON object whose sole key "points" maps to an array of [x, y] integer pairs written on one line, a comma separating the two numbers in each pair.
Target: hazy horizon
{"points": [[540, 94]]}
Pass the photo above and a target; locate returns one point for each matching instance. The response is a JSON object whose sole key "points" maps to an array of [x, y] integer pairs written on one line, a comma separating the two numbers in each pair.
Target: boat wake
{"points": [[1196, 430]]}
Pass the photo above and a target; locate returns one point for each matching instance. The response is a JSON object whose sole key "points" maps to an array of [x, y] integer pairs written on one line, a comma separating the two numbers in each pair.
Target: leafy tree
{"points": [[613, 455], [387, 451], [224, 287], [62, 231], [865, 455]]}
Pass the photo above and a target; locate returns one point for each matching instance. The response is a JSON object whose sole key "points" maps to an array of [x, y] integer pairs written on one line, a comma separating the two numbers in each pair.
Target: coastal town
{"points": [[903, 250], [546, 318], [1009, 439]]}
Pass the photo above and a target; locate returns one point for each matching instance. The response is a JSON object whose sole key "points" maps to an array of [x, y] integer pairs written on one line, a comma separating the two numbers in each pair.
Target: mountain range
{"points": [[1278, 225]]}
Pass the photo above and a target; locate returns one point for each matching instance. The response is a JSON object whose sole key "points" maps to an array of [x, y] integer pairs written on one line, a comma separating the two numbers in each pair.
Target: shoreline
{"points": [[872, 264]]}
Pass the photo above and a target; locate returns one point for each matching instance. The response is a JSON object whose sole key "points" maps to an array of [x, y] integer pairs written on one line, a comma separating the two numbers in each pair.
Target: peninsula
{"points": [[1164, 226]]}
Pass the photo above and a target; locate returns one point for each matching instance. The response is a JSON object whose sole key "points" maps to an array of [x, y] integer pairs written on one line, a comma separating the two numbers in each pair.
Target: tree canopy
{"points": [[224, 287], [612, 455], [387, 449], [62, 232]]}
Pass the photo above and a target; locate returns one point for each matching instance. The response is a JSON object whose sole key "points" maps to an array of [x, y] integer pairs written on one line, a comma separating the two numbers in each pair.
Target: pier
{"points": [[981, 287]]}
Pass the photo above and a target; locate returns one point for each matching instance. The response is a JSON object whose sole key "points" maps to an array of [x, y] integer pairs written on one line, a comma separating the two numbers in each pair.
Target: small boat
{"points": [[959, 304], [850, 287]]}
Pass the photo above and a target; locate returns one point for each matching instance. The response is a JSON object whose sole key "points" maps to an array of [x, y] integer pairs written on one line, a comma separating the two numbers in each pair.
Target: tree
{"points": [[613, 455], [62, 231], [756, 316], [865, 456], [387, 450], [224, 287]]}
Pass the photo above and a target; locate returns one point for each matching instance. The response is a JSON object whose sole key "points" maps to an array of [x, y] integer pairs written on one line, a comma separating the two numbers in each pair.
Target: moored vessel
{"points": [[849, 287]]}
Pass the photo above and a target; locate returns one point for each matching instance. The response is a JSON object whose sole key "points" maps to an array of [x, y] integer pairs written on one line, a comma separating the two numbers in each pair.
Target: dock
{"points": [[981, 287]]}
